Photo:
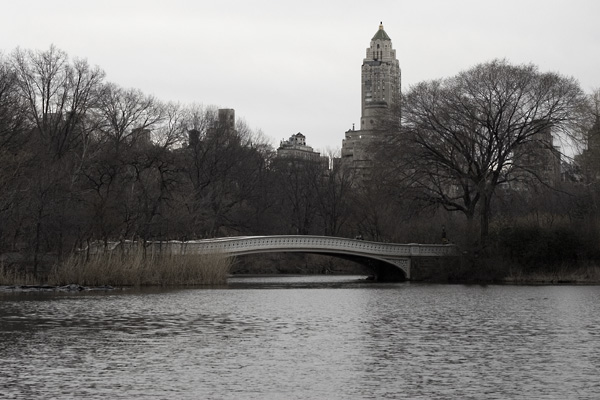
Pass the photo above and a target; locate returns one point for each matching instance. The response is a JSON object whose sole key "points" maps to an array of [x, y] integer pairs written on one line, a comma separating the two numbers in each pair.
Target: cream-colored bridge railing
{"points": [[392, 253]]}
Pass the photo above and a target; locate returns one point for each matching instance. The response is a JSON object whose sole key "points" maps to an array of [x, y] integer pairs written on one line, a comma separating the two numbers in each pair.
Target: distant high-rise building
{"points": [[589, 160], [538, 160], [295, 148], [223, 126], [225, 123], [141, 136], [226, 118], [380, 90], [380, 79]]}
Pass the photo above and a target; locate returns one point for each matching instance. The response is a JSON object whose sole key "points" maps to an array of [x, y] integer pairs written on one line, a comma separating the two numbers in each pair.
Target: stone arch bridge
{"points": [[391, 261]]}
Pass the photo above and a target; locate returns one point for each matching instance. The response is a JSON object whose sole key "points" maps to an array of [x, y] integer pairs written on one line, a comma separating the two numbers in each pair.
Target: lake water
{"points": [[303, 338]]}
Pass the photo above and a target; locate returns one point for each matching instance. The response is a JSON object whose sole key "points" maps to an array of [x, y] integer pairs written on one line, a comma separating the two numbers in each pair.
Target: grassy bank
{"points": [[132, 268]]}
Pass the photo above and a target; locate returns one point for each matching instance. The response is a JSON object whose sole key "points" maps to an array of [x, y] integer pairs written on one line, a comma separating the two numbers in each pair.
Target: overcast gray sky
{"points": [[290, 67]]}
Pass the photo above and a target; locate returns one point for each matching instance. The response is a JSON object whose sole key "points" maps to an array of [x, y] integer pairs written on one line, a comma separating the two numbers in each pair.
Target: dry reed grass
{"points": [[138, 267], [587, 274], [10, 277]]}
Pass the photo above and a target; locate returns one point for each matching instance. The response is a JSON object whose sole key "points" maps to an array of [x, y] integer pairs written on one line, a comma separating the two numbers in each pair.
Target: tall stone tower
{"points": [[380, 89], [380, 79]]}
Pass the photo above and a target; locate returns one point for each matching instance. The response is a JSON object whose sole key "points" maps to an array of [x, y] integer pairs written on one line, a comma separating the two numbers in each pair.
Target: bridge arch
{"points": [[388, 254], [381, 268]]}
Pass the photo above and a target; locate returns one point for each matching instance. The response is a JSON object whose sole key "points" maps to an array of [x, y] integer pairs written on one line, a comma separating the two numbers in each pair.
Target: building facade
{"points": [[295, 148], [380, 90], [538, 160], [589, 160], [223, 126]]}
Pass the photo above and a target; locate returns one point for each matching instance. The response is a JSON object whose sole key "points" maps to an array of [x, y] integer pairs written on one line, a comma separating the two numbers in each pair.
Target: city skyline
{"points": [[288, 68]]}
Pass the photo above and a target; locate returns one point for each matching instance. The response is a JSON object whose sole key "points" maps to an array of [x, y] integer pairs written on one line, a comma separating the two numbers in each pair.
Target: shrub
{"points": [[535, 247]]}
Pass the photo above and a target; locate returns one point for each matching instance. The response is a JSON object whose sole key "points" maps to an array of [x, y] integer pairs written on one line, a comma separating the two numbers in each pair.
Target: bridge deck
{"points": [[392, 253], [238, 245]]}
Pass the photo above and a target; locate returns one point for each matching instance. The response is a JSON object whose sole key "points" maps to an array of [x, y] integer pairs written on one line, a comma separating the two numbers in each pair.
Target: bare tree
{"points": [[59, 94], [297, 193], [12, 108], [462, 137], [334, 190], [170, 132], [224, 168], [13, 156], [126, 112]]}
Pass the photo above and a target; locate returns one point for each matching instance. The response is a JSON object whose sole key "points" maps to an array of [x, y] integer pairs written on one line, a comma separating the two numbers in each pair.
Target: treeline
{"points": [[84, 159]]}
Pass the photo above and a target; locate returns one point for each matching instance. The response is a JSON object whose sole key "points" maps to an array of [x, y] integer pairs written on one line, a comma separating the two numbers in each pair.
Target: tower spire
{"points": [[380, 34]]}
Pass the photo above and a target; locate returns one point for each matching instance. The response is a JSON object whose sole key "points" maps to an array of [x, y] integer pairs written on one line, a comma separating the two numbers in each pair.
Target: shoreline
{"points": [[54, 288], [75, 288]]}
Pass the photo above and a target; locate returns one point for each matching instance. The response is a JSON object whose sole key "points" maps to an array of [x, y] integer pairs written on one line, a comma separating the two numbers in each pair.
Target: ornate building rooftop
{"points": [[381, 35]]}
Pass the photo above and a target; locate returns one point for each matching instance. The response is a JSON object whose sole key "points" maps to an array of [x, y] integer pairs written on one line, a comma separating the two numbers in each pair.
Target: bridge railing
{"points": [[248, 244]]}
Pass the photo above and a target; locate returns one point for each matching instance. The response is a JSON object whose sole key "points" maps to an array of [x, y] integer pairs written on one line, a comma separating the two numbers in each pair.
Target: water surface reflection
{"points": [[304, 337]]}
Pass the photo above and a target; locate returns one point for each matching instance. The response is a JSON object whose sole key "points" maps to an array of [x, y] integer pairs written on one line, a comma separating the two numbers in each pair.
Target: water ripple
{"points": [[334, 340]]}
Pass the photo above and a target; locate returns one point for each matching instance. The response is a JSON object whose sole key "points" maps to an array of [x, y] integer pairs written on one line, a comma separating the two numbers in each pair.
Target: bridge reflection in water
{"points": [[390, 261]]}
